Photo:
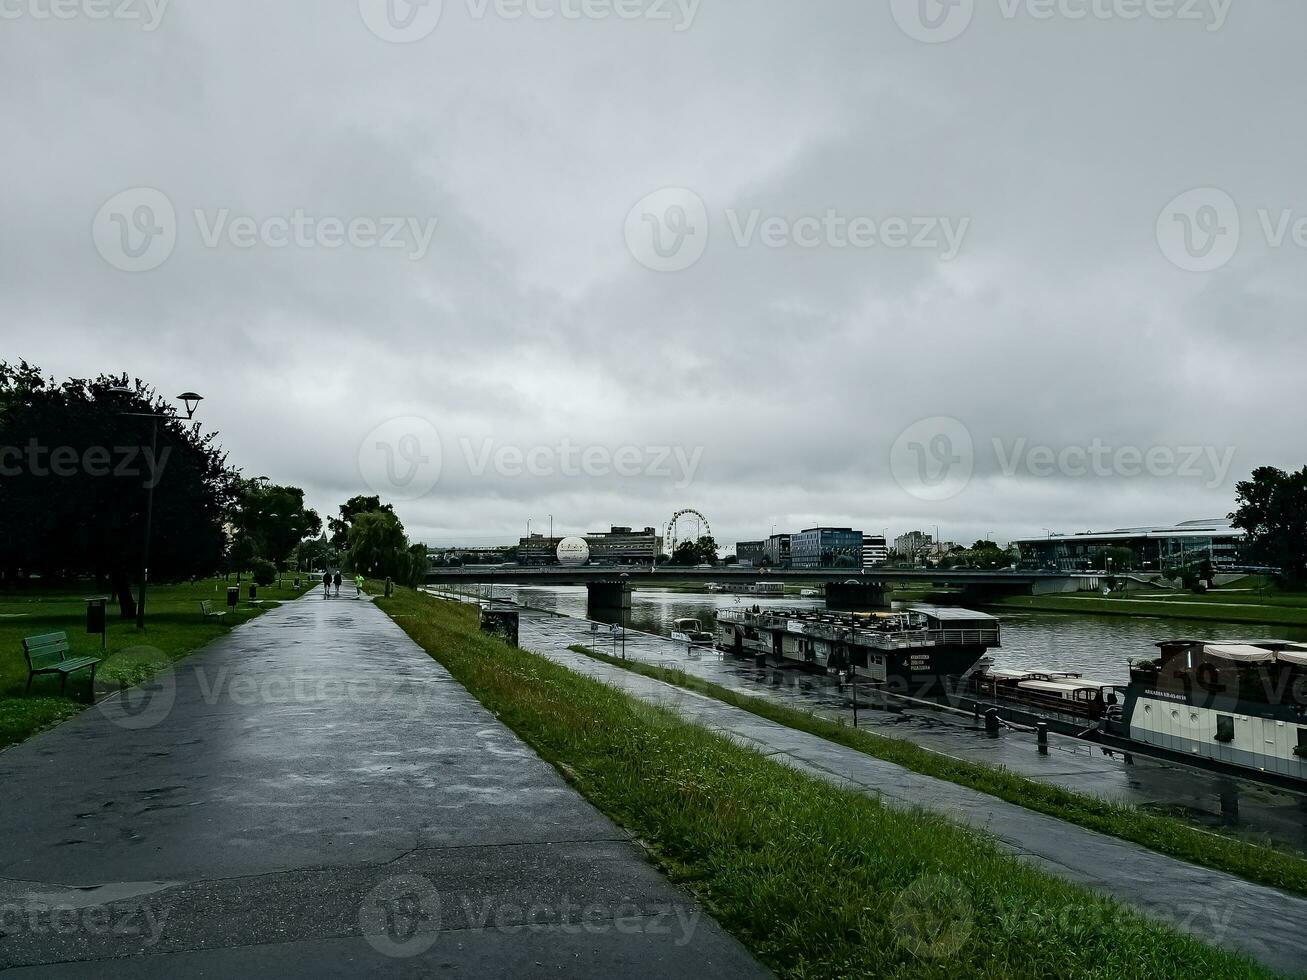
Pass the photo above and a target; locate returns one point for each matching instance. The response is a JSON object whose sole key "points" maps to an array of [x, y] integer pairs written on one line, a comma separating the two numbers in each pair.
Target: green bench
{"points": [[49, 654], [207, 610]]}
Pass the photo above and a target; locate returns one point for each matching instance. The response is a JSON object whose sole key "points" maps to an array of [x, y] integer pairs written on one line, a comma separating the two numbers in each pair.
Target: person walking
{"points": [[326, 585], [337, 580]]}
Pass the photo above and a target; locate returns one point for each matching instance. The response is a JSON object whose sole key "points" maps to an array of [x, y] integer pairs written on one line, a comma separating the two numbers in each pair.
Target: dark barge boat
{"points": [[920, 651]]}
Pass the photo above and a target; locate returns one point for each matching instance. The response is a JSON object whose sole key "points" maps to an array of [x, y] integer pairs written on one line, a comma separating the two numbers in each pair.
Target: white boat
{"points": [[691, 631]]}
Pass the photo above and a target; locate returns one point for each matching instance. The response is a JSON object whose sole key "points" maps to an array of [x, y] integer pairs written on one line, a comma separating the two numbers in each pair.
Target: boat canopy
{"points": [[1238, 652], [1060, 688], [1295, 657]]}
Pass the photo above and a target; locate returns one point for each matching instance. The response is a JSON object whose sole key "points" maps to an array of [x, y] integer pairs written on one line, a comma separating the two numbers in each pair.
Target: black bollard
{"points": [[1041, 735], [991, 722]]}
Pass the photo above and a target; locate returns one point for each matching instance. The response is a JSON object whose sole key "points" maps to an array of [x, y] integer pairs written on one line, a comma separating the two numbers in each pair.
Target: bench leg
{"points": [[93, 683], [63, 684], [30, 675]]}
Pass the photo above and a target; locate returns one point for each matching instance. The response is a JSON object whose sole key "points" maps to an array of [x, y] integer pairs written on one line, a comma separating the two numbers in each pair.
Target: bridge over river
{"points": [[610, 586]]}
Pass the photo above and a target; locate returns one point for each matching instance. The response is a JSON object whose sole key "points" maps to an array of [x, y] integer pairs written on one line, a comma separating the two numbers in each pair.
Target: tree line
{"points": [[78, 459]]}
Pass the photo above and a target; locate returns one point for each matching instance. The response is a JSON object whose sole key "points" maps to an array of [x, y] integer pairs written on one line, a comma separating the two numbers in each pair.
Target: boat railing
{"points": [[869, 636]]}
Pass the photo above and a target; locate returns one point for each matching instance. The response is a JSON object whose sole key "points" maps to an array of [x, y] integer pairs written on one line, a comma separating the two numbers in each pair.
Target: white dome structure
{"points": [[573, 552]]}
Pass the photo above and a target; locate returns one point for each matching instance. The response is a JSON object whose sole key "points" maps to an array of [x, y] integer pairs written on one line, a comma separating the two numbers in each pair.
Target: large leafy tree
{"points": [[339, 526], [75, 466], [1272, 508], [378, 546], [273, 519]]}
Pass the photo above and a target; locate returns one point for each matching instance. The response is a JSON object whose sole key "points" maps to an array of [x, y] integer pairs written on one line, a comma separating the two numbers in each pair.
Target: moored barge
{"points": [[1238, 706], [918, 651]]}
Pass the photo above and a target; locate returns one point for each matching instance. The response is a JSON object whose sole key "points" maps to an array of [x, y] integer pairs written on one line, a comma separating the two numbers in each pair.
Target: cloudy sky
{"points": [[995, 266]]}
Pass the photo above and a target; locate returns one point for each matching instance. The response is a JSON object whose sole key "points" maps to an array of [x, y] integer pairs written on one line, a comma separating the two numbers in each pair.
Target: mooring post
{"points": [[1041, 736], [991, 722]]}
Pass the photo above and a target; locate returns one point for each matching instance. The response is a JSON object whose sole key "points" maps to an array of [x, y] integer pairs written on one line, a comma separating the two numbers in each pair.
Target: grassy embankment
{"points": [[1165, 834], [1270, 608], [817, 881], [174, 628]]}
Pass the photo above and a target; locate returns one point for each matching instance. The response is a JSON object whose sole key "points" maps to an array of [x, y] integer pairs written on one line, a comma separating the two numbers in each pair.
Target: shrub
{"points": [[264, 571]]}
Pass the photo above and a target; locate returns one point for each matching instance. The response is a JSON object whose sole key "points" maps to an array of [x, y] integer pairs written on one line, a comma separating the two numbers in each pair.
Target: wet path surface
{"points": [[312, 795], [1216, 907], [1243, 806]]}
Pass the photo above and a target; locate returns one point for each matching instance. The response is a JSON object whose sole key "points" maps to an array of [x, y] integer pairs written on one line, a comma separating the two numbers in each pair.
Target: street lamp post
{"points": [[192, 402]]}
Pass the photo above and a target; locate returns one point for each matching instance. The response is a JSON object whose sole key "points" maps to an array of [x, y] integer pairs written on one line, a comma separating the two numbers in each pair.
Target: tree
{"points": [[274, 518], [339, 526], [1272, 508], [377, 545], [76, 464]]}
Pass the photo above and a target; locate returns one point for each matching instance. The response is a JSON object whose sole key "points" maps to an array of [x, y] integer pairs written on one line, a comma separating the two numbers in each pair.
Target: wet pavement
{"points": [[313, 796], [1241, 806], [1216, 907]]}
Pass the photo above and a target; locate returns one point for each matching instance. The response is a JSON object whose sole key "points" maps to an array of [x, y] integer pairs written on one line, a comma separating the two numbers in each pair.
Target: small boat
{"points": [[691, 631]]}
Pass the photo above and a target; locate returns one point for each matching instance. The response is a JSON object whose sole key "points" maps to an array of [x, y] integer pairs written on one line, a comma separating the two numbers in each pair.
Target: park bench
{"points": [[49, 654], [207, 610]]}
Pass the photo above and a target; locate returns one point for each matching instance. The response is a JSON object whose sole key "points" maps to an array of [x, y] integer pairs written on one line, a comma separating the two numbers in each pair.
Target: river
{"points": [[1099, 647]]}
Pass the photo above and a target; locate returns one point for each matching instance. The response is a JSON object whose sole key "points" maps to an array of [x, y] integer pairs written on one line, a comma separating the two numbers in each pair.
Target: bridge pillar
{"points": [[608, 595], [856, 596]]}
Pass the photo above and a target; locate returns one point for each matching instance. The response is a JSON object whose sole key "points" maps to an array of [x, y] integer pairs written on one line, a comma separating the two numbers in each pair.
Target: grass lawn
{"points": [[174, 628], [1277, 609], [817, 881], [1261, 863]]}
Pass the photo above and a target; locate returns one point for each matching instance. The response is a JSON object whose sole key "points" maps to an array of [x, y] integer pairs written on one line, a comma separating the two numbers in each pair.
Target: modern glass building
{"points": [[826, 547], [1154, 549]]}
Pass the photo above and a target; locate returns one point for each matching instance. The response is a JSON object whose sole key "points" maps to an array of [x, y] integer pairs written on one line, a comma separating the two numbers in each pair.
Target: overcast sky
{"points": [[996, 267]]}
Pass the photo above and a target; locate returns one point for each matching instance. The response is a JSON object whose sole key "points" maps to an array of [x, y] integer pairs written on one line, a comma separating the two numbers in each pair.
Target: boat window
{"points": [[1224, 728], [1301, 750]]}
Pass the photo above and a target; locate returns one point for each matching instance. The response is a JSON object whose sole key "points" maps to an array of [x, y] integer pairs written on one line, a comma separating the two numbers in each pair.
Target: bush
{"points": [[264, 571]]}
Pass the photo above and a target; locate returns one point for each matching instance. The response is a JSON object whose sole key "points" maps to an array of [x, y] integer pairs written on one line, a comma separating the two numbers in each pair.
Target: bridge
{"points": [[610, 586]]}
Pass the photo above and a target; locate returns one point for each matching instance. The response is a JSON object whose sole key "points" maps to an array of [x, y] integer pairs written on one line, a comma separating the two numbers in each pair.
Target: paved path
{"points": [[1262, 922], [313, 796]]}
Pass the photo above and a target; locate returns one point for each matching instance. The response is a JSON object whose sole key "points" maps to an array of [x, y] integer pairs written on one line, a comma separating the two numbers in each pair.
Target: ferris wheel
{"points": [[701, 528]]}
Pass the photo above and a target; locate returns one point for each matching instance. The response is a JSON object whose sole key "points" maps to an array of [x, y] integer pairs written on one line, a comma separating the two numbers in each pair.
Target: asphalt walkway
{"points": [[313, 796]]}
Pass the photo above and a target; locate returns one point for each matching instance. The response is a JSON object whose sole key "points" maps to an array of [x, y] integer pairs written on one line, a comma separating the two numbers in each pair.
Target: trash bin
{"points": [[254, 592], [233, 596], [96, 619]]}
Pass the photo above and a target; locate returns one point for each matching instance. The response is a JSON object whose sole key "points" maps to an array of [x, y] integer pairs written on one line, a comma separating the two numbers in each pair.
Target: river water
{"points": [[1099, 647]]}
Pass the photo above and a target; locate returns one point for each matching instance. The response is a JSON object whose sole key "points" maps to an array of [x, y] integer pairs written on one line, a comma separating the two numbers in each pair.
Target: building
{"points": [[751, 553], [1153, 548], [778, 550], [538, 549], [617, 546], [874, 550], [826, 547], [625, 546], [914, 544]]}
